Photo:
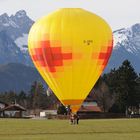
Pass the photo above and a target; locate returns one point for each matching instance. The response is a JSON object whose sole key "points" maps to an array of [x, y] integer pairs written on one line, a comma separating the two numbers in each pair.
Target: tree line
{"points": [[114, 91], [35, 98], [119, 89]]}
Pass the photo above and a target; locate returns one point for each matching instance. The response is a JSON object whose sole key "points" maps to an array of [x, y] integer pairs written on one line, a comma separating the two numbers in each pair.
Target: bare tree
{"points": [[103, 96]]}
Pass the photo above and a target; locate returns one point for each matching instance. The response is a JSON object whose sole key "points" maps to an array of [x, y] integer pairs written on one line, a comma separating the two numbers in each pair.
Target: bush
{"points": [[61, 110]]}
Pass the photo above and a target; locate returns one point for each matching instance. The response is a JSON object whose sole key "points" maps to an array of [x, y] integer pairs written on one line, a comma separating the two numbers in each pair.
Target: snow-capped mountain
{"points": [[16, 25], [129, 38], [13, 38], [6, 21], [21, 42], [126, 46]]}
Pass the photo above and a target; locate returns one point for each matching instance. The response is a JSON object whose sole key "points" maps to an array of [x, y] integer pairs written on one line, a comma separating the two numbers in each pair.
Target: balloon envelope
{"points": [[70, 48]]}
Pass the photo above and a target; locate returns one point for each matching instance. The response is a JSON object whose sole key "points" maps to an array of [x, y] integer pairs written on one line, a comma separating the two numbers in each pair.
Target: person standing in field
{"points": [[77, 119], [72, 118]]}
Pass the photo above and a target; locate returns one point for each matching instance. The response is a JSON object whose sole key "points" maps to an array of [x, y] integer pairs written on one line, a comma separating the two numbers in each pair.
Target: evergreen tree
{"points": [[122, 83], [22, 99], [137, 95], [126, 85]]}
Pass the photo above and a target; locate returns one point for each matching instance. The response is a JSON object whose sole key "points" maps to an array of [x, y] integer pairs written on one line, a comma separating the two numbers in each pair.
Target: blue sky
{"points": [[118, 13]]}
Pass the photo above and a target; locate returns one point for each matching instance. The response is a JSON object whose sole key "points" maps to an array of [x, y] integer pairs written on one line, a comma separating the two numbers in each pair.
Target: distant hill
{"points": [[17, 77]]}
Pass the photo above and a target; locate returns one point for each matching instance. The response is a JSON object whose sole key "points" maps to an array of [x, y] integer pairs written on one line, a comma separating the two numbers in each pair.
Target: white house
{"points": [[46, 113]]}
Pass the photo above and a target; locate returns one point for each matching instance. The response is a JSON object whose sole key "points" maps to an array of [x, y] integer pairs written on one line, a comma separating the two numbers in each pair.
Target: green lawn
{"points": [[106, 129]]}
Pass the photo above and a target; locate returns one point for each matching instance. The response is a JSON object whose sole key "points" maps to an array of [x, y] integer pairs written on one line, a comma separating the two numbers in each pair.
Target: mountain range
{"points": [[16, 68], [126, 46], [13, 38], [17, 77]]}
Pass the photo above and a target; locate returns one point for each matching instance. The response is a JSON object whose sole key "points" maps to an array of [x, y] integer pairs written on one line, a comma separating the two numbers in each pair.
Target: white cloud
{"points": [[119, 13]]}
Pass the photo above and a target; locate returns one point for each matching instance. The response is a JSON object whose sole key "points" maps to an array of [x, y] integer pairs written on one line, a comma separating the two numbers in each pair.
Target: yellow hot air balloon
{"points": [[70, 48]]}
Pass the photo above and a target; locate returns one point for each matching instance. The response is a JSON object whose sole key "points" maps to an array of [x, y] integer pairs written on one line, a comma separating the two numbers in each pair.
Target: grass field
{"points": [[111, 129]]}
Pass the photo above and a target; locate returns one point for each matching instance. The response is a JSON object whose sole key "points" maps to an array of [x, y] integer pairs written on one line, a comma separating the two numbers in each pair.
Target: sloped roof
{"points": [[90, 109], [14, 107], [90, 104]]}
